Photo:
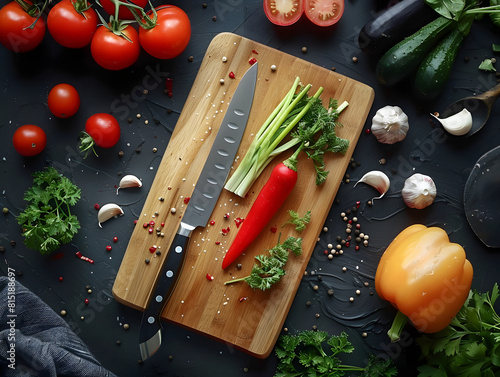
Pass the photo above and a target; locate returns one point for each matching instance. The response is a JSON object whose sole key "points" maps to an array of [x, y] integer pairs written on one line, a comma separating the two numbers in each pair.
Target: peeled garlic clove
{"points": [[378, 180], [457, 124], [419, 191], [129, 181], [108, 211]]}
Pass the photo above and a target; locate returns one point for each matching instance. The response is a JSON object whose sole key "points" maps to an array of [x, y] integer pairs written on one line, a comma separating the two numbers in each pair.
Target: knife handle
{"points": [[169, 274]]}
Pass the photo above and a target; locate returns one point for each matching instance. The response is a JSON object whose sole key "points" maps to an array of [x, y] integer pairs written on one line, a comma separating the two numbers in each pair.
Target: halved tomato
{"points": [[324, 12], [283, 12]]}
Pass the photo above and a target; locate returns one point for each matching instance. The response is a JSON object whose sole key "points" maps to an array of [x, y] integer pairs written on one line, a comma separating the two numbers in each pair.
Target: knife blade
{"points": [[203, 199]]}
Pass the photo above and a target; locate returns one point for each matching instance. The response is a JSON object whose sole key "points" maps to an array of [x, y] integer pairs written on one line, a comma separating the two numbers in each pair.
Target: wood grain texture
{"points": [[246, 319]]}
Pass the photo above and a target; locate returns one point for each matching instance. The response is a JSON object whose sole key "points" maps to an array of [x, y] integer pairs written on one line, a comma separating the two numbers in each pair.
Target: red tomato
{"points": [[104, 129], [124, 13], [170, 37], [15, 33], [29, 140], [283, 12], [63, 100], [69, 27], [324, 12], [113, 51]]}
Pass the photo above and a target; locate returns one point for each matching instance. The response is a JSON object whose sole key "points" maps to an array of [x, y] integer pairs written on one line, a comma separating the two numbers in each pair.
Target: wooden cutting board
{"points": [[235, 314]]}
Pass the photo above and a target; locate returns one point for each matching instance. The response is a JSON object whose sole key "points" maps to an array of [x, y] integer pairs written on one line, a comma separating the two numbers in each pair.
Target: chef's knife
{"points": [[200, 207]]}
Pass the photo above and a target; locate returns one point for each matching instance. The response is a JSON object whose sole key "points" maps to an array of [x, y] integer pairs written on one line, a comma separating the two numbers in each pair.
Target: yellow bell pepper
{"points": [[425, 276]]}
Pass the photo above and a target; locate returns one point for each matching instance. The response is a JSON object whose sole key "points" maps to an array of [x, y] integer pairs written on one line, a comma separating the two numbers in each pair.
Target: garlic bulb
{"points": [[419, 191], [108, 211], [129, 181], [378, 180], [390, 124], [457, 124]]}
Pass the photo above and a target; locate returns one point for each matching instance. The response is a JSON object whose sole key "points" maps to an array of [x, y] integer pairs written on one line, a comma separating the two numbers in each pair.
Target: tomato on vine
{"points": [[63, 100], [101, 129], [165, 32], [72, 23], [124, 12], [29, 140], [21, 27], [115, 46]]}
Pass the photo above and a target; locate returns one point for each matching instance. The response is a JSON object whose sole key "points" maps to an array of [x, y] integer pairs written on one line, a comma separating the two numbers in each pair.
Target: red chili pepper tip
{"points": [[78, 254], [108, 248], [97, 206], [255, 52], [231, 75], [115, 239], [242, 299]]}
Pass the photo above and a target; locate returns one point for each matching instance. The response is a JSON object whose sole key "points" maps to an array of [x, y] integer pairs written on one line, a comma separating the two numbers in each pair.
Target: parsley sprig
{"points": [[47, 222], [306, 354], [470, 345], [269, 269], [300, 222]]}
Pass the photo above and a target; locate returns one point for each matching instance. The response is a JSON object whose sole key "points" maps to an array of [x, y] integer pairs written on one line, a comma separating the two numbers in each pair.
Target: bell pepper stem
{"points": [[397, 327]]}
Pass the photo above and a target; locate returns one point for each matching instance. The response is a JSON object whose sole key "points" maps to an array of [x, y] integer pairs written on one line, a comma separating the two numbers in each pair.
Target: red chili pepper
{"points": [[268, 202], [231, 75]]}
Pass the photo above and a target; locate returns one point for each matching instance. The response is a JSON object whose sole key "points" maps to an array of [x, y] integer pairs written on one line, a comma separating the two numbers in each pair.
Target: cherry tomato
{"points": [[123, 13], [170, 37], [324, 12], [29, 140], [283, 12], [63, 100], [69, 27], [15, 33], [114, 52], [104, 129]]}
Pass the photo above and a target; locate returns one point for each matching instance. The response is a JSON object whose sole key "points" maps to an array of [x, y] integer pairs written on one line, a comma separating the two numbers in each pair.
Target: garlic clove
{"points": [[108, 211], [129, 181], [378, 180], [390, 124], [419, 191], [457, 124]]}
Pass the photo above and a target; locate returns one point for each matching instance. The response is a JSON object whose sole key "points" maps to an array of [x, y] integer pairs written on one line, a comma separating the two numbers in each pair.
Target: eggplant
{"points": [[392, 25]]}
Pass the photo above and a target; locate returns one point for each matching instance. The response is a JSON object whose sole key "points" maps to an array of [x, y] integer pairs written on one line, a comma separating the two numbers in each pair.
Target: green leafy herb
{"points": [[297, 112], [306, 354], [470, 345], [299, 222], [47, 222], [487, 65], [269, 269]]}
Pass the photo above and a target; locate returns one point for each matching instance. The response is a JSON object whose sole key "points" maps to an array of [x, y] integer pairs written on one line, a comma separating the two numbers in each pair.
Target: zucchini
{"points": [[401, 60], [435, 69], [393, 24]]}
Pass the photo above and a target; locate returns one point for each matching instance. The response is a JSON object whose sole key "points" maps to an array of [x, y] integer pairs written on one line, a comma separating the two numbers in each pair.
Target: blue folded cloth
{"points": [[36, 341]]}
